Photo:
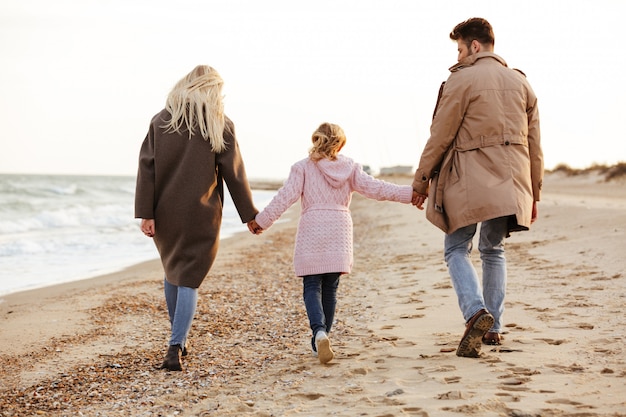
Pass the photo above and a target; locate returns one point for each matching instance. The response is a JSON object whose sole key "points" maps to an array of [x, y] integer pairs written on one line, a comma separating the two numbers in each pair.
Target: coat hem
{"points": [[323, 269]]}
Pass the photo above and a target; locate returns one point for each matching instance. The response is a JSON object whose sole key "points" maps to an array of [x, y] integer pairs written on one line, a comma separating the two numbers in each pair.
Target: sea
{"points": [[58, 228]]}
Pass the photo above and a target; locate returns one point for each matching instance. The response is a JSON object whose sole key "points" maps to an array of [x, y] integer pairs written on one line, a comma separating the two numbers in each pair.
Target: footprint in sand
{"points": [[453, 395], [309, 396], [411, 316], [359, 371], [569, 402], [514, 384], [352, 389], [508, 397], [415, 411], [443, 368], [603, 278], [603, 349], [442, 285], [519, 370], [515, 380], [555, 342], [573, 368]]}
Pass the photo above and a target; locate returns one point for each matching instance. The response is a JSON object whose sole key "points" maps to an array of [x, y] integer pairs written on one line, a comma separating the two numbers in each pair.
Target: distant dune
{"points": [[612, 172]]}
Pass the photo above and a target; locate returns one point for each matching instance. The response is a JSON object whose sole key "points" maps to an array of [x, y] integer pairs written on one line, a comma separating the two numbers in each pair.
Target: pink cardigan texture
{"points": [[324, 237]]}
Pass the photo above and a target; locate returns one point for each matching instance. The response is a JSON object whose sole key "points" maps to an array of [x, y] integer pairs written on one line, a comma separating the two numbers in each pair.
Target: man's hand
{"points": [[535, 213]]}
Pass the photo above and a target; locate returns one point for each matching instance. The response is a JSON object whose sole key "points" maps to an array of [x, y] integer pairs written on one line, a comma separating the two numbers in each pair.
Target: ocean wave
{"points": [[62, 228], [78, 216]]}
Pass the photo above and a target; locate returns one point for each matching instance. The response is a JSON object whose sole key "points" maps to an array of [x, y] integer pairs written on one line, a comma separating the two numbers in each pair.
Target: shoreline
{"points": [[95, 277], [91, 346]]}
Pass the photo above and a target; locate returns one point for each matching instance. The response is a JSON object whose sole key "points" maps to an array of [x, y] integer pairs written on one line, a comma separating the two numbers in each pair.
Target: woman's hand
{"points": [[147, 227], [254, 227]]}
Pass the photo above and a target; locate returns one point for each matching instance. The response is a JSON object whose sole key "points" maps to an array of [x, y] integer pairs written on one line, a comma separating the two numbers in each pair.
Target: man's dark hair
{"points": [[475, 28]]}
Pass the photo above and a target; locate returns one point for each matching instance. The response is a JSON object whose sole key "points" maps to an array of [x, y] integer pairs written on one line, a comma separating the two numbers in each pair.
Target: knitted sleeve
{"points": [[288, 194], [380, 190]]}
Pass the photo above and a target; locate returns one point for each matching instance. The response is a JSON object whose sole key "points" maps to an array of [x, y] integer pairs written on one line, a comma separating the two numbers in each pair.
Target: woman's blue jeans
{"points": [[320, 300], [181, 307], [458, 247]]}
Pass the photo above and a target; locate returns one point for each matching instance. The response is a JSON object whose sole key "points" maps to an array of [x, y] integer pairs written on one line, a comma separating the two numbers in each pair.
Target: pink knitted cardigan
{"points": [[324, 237]]}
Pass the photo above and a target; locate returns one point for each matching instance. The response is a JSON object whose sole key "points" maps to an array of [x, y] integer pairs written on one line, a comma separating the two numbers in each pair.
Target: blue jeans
{"points": [[320, 300], [181, 307], [458, 247]]}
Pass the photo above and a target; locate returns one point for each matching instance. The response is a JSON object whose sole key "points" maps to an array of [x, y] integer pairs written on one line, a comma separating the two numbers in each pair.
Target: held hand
{"points": [[254, 227], [418, 200], [535, 213], [147, 227]]}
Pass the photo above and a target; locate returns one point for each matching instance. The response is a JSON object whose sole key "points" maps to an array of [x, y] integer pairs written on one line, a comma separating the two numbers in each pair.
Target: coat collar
{"points": [[472, 59]]}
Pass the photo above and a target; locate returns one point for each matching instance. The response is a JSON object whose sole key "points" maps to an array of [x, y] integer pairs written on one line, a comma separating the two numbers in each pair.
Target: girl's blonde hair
{"points": [[328, 139], [195, 102]]}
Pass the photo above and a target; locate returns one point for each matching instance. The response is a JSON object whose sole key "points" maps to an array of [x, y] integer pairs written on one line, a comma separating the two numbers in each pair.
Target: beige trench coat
{"points": [[483, 159], [180, 185]]}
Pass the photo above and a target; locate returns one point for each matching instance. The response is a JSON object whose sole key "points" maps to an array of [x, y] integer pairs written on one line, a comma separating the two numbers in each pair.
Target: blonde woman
{"points": [[324, 182], [189, 152]]}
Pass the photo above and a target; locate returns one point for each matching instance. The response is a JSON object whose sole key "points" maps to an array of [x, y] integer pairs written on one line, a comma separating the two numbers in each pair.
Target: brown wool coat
{"points": [[180, 186], [483, 159]]}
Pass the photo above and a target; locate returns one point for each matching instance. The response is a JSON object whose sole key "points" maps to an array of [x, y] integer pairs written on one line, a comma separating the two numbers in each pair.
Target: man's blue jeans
{"points": [[320, 300], [181, 307], [458, 247]]}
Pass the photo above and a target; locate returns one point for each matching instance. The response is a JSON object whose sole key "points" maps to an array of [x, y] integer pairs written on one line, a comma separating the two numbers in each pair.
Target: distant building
{"points": [[397, 170]]}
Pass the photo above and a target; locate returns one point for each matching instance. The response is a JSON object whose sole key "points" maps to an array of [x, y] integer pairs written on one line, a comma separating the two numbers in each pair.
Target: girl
{"points": [[325, 182]]}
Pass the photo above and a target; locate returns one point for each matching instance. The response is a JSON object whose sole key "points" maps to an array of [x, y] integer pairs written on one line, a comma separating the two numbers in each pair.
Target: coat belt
{"points": [[485, 141], [328, 206]]}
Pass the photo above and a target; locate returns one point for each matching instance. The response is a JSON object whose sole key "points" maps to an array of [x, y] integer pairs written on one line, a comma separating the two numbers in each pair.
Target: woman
{"points": [[189, 151]]}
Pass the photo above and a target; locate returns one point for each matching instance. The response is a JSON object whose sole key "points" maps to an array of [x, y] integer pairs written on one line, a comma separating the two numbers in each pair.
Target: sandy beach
{"points": [[91, 348]]}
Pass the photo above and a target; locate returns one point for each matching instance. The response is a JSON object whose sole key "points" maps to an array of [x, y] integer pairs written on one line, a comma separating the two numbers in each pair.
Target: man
{"points": [[482, 164]]}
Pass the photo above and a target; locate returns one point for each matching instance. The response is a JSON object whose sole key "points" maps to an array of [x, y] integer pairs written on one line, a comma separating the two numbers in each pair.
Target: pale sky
{"points": [[81, 79]]}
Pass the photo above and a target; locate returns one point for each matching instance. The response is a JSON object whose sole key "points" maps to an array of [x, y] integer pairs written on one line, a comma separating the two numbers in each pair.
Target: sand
{"points": [[92, 347]]}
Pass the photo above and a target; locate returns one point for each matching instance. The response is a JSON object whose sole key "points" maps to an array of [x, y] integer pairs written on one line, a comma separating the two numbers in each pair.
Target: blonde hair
{"points": [[328, 139], [195, 102]]}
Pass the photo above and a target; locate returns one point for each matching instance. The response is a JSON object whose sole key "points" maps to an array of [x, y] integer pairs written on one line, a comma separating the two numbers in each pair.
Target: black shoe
{"points": [[172, 359]]}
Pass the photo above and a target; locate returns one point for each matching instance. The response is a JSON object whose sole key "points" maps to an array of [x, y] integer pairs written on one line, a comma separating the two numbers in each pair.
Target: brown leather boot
{"points": [[172, 359], [475, 329]]}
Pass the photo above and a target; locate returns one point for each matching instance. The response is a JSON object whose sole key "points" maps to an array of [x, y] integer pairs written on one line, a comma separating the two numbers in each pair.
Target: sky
{"points": [[81, 79]]}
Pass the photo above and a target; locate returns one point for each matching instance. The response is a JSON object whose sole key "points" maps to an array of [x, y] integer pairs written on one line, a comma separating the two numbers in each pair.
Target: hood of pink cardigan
{"points": [[338, 171]]}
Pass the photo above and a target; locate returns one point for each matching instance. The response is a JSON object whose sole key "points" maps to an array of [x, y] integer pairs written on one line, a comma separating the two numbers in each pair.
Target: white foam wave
{"points": [[60, 229]]}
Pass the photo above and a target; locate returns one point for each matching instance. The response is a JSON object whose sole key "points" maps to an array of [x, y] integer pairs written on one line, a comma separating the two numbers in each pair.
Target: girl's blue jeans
{"points": [[181, 307], [320, 300], [471, 297]]}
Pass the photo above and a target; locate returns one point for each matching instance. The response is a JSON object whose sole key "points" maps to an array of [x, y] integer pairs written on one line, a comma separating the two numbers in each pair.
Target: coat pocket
{"points": [[434, 206]]}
